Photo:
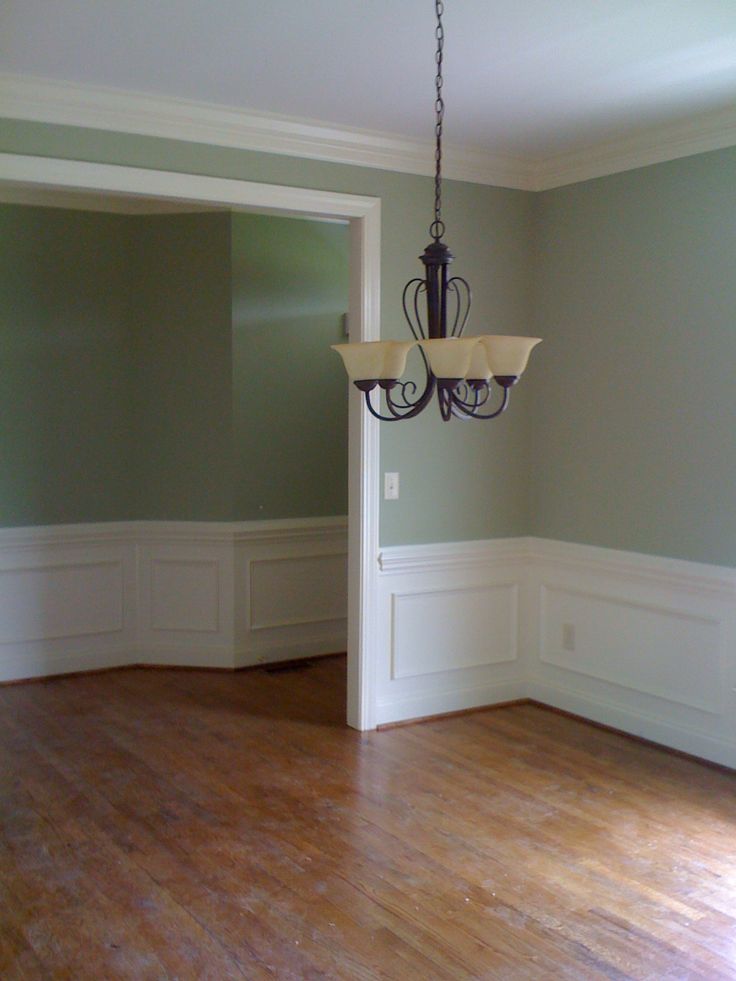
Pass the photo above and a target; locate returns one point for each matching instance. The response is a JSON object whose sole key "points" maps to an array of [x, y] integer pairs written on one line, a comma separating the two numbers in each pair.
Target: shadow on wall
{"points": [[65, 440], [171, 367], [290, 295]]}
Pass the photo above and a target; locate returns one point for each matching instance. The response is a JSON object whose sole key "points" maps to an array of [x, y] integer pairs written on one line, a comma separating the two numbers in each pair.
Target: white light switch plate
{"points": [[391, 487]]}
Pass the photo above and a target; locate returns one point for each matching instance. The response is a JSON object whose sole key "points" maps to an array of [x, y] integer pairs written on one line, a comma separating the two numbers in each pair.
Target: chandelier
{"points": [[459, 369]]}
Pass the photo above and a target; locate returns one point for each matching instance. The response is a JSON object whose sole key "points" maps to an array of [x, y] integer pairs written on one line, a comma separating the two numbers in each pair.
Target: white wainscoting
{"points": [[451, 622], [185, 598], [641, 643], [291, 590], [82, 597], [68, 599]]}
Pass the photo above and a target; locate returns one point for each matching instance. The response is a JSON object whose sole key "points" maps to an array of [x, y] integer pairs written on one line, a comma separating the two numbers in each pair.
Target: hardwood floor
{"points": [[184, 824]]}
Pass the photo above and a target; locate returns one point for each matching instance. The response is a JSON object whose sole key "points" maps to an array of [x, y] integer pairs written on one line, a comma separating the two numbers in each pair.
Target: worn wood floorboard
{"points": [[226, 826]]}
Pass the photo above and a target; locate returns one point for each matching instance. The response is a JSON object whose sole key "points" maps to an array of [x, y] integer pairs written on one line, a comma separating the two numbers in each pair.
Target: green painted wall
{"points": [[66, 446], [289, 294], [182, 355], [458, 480], [635, 397], [629, 279], [130, 387]]}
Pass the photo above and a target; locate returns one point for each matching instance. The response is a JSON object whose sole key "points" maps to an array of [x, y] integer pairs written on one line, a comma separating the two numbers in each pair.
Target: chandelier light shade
{"points": [[463, 372]]}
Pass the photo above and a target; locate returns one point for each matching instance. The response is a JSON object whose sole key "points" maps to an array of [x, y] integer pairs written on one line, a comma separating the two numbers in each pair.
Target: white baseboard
{"points": [[330, 644], [30, 665], [677, 737], [453, 700]]}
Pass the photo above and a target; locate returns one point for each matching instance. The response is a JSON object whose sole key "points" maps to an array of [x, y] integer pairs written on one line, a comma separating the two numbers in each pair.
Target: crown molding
{"points": [[47, 101], [70, 104], [706, 132]]}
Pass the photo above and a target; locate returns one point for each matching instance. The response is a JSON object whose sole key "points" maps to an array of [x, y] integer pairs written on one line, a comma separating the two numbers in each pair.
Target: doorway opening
{"points": [[363, 215]]}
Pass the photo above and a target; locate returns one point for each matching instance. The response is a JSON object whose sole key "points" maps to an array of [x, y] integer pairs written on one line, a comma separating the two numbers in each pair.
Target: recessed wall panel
{"points": [[297, 589], [185, 595], [51, 602], [663, 651], [448, 630]]}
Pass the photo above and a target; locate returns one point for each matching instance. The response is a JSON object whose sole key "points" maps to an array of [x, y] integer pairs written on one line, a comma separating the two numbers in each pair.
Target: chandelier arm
{"points": [[397, 409], [420, 285], [454, 284], [426, 361], [473, 413], [480, 396], [444, 397], [421, 288], [417, 405], [460, 399], [396, 415], [407, 403], [415, 326]]}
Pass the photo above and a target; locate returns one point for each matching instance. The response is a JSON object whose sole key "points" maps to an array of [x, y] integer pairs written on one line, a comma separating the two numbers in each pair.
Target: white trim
{"points": [[712, 131], [364, 214], [363, 482], [695, 576], [270, 530], [420, 706], [450, 556], [55, 172], [679, 737], [39, 536], [35, 664], [328, 645], [51, 101]]}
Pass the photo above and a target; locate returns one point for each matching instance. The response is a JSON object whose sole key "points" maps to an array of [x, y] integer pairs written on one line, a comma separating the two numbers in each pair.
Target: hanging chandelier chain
{"points": [[437, 228], [458, 372]]}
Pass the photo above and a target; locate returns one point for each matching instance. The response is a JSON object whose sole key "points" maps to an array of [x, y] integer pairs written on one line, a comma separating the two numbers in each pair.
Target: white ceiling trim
{"points": [[712, 131], [65, 103], [48, 101]]}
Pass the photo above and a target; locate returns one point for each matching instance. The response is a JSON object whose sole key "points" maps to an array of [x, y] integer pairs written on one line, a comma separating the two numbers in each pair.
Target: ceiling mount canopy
{"points": [[460, 370]]}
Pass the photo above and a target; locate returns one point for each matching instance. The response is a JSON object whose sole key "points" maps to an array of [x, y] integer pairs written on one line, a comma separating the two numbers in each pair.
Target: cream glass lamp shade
{"points": [[449, 357], [364, 360], [371, 360], [508, 355], [395, 361], [479, 370]]}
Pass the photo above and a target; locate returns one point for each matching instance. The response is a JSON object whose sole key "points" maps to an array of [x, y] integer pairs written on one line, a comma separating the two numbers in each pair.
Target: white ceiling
{"points": [[526, 78]]}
